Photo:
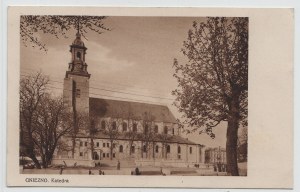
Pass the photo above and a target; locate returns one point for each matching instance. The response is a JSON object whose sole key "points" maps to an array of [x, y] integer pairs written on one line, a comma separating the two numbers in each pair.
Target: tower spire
{"points": [[78, 21]]}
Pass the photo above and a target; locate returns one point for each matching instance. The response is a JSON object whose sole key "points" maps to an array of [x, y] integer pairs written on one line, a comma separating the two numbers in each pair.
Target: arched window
{"points": [[173, 131], [144, 149], [103, 124], [124, 126], [134, 127], [121, 149], [156, 148], [156, 129], [78, 55], [179, 149], [191, 150], [165, 130], [168, 149], [114, 125]]}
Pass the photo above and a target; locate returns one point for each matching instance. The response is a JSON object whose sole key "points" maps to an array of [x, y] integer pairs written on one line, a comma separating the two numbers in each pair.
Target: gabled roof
{"points": [[133, 110]]}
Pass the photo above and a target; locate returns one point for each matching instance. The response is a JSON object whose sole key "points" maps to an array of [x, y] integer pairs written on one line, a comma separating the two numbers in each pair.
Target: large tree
{"points": [[44, 119], [50, 125], [32, 90], [213, 83], [58, 26]]}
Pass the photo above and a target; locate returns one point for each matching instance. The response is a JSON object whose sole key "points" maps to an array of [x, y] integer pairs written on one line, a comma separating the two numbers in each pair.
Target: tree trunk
{"points": [[34, 159], [73, 146], [92, 147], [232, 136], [111, 149], [142, 150], [153, 150], [130, 146]]}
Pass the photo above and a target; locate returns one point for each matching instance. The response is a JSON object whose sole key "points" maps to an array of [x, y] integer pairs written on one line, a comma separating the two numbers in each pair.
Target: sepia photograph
{"points": [[150, 97], [133, 95]]}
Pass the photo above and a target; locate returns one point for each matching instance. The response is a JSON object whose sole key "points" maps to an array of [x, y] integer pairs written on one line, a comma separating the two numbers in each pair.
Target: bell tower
{"points": [[76, 81]]}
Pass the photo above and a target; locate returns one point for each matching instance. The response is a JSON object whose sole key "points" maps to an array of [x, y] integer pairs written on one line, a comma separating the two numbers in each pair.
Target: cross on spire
{"points": [[78, 23]]}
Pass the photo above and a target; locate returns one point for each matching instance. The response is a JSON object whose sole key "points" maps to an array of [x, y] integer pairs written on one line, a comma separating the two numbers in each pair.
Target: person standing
{"points": [[118, 165], [61, 170]]}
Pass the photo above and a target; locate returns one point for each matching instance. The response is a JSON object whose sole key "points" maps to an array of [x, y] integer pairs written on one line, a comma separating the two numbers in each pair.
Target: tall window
{"points": [[103, 124], [144, 149], [168, 149], [114, 125], [124, 126], [179, 149], [191, 150], [121, 149], [156, 148], [78, 55], [173, 131], [165, 130], [134, 127], [156, 129]]}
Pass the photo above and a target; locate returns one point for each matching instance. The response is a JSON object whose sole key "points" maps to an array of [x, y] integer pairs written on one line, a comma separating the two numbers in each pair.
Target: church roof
{"points": [[170, 139], [127, 109]]}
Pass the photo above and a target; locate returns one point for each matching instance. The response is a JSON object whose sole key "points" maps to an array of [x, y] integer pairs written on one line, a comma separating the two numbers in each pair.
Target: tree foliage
{"points": [[213, 83], [43, 119], [32, 90], [57, 25], [50, 125]]}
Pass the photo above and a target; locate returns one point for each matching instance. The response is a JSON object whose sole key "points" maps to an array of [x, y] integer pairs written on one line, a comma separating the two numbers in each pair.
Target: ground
{"points": [[183, 171]]}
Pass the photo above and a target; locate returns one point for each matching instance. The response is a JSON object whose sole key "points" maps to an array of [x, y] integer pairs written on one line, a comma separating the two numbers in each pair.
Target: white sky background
{"points": [[135, 57]]}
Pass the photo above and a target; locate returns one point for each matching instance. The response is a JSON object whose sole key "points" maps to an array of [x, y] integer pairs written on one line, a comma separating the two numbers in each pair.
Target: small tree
{"points": [[164, 139], [112, 131], [132, 135], [148, 136]]}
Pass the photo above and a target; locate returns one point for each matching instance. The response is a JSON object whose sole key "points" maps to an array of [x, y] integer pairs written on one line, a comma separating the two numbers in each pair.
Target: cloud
{"points": [[101, 60]]}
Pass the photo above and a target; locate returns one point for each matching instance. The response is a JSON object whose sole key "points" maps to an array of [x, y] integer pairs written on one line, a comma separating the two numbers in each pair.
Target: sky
{"points": [[135, 58]]}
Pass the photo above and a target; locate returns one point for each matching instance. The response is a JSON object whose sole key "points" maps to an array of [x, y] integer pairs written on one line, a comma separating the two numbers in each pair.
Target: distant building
{"points": [[119, 130], [215, 155]]}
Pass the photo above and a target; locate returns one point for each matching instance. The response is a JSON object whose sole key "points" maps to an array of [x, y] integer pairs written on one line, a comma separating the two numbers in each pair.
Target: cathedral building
{"points": [[137, 134]]}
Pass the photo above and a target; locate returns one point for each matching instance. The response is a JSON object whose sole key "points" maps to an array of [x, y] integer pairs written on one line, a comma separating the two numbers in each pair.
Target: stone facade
{"points": [[142, 133]]}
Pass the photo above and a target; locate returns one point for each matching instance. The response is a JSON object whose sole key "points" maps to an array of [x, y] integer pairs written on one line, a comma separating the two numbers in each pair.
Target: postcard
{"points": [[150, 97]]}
